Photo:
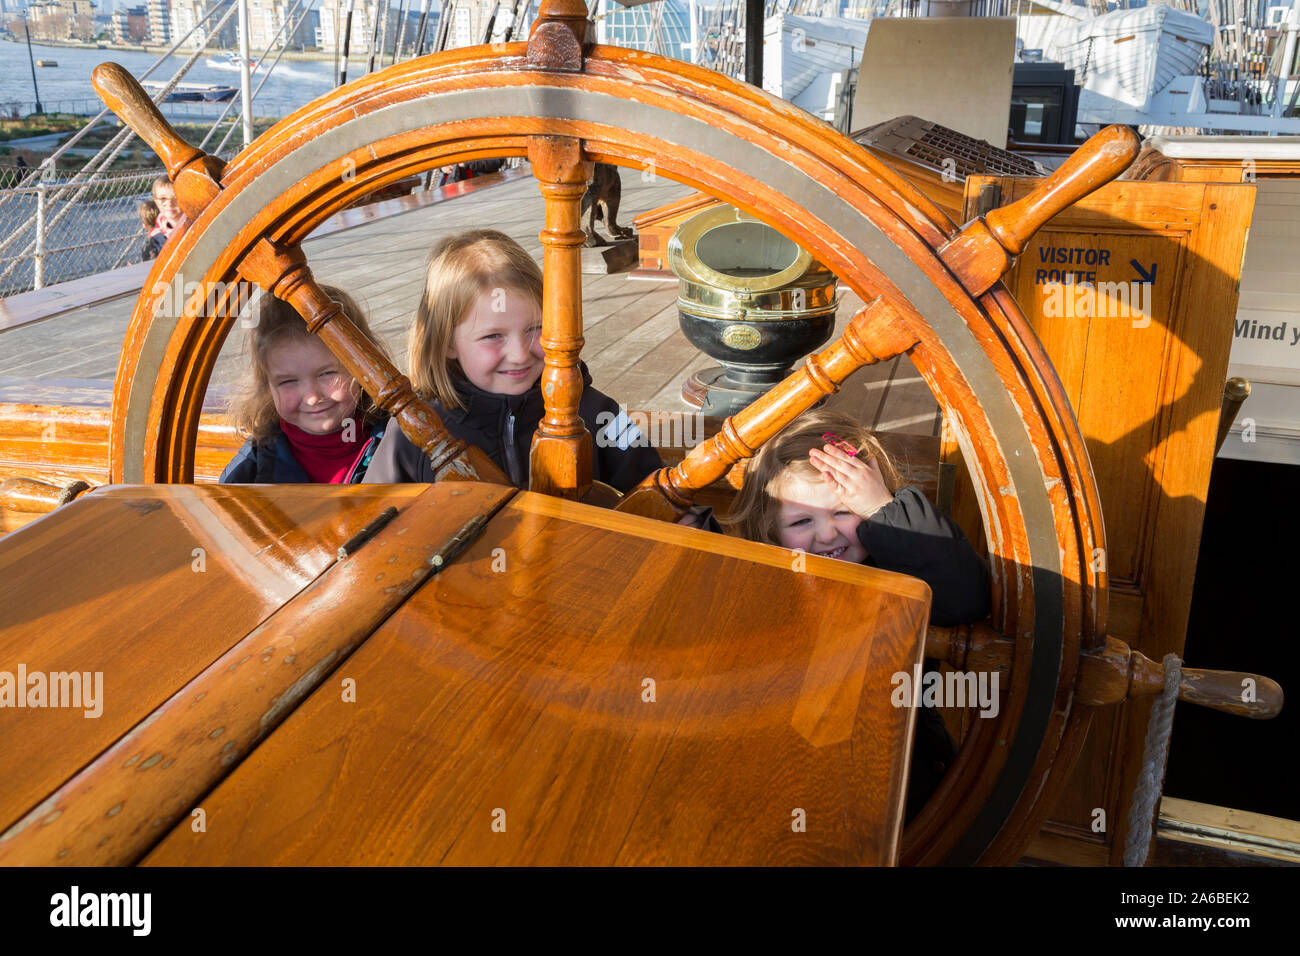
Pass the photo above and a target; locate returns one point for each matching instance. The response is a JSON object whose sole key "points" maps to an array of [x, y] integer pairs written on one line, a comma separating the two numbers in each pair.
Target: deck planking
{"points": [[634, 348]]}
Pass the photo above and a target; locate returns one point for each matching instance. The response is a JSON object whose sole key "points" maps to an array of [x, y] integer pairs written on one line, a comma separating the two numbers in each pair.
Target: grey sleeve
{"points": [[397, 460]]}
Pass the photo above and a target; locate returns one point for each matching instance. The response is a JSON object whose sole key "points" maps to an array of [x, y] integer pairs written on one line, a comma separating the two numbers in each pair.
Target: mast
{"points": [[754, 10], [347, 41], [245, 76], [32, 60]]}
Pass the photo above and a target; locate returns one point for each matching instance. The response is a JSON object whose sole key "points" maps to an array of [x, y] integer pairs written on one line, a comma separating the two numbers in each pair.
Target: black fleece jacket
{"points": [[503, 426], [909, 536]]}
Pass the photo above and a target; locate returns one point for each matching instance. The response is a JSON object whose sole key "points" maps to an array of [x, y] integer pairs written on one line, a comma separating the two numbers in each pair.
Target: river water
{"points": [[292, 84]]}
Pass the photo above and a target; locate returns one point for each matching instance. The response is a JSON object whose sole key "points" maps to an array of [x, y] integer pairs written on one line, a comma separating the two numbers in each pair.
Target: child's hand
{"points": [[691, 520], [857, 482]]}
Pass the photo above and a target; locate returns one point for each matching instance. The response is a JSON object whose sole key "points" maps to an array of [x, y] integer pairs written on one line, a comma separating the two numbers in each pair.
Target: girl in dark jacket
{"points": [[475, 354], [307, 420], [823, 485]]}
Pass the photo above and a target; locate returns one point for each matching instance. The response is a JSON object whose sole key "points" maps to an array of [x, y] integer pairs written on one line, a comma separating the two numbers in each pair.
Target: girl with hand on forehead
{"points": [[825, 486]]}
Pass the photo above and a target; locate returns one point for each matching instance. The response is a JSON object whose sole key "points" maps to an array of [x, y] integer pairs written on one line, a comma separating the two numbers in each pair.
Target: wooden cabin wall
{"points": [[1147, 397]]}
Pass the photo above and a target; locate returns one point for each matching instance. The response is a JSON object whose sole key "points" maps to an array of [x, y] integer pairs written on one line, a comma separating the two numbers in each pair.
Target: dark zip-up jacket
{"points": [[270, 461], [503, 426]]}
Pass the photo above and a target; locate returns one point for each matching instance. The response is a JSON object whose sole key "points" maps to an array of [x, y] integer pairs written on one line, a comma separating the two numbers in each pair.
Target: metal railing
{"points": [[106, 233], [92, 106]]}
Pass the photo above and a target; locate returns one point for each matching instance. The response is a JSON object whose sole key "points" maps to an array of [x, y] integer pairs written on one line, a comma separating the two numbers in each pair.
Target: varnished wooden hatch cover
{"points": [[572, 686]]}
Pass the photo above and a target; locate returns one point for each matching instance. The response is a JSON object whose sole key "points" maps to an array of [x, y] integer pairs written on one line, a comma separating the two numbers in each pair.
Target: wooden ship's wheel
{"points": [[933, 292]]}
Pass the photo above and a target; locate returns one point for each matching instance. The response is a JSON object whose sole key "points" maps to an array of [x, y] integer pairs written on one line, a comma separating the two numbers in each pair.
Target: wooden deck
{"points": [[634, 347]]}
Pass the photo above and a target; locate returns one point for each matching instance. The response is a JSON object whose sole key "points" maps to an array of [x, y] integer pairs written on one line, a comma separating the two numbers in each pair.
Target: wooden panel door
{"points": [[1133, 292]]}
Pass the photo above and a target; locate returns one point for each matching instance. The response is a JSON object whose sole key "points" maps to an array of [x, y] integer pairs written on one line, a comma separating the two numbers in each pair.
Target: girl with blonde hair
{"points": [[826, 486], [307, 420], [474, 352]]}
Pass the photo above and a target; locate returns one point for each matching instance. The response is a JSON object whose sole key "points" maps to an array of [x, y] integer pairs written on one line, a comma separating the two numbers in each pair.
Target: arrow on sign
{"points": [[1143, 275]]}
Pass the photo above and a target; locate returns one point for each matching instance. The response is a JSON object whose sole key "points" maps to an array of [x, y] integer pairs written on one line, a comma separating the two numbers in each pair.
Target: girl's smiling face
{"points": [[812, 518], [309, 386], [499, 344], [169, 210]]}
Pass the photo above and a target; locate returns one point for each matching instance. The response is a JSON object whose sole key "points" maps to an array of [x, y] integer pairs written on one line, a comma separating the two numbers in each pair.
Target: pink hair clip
{"points": [[834, 439]]}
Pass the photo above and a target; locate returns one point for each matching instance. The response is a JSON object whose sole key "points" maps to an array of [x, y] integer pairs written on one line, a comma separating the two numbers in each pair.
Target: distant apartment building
{"points": [[187, 14], [160, 23], [305, 35], [130, 25], [333, 16], [469, 23], [62, 19], [267, 27]]}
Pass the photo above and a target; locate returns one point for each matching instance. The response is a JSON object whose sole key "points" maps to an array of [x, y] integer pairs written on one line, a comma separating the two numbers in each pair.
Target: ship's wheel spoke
{"points": [[560, 462]]}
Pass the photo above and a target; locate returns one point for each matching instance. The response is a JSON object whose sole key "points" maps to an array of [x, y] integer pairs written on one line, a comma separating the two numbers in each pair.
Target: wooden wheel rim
{"points": [[1019, 438]]}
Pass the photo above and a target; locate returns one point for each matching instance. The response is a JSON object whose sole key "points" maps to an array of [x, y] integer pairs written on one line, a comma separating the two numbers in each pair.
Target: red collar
{"points": [[327, 459]]}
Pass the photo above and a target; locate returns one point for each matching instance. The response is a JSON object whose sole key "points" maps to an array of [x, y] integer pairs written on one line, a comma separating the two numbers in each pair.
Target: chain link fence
{"points": [[55, 228]]}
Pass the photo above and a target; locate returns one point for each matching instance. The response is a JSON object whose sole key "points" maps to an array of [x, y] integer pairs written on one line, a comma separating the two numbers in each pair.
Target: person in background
{"points": [[170, 219], [154, 237]]}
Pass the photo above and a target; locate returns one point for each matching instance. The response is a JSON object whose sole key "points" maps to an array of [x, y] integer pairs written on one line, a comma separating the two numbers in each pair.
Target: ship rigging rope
{"points": [[1155, 753], [284, 45]]}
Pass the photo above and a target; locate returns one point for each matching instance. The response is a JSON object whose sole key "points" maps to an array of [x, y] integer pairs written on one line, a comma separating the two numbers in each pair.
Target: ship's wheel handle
{"points": [[1113, 673]]}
